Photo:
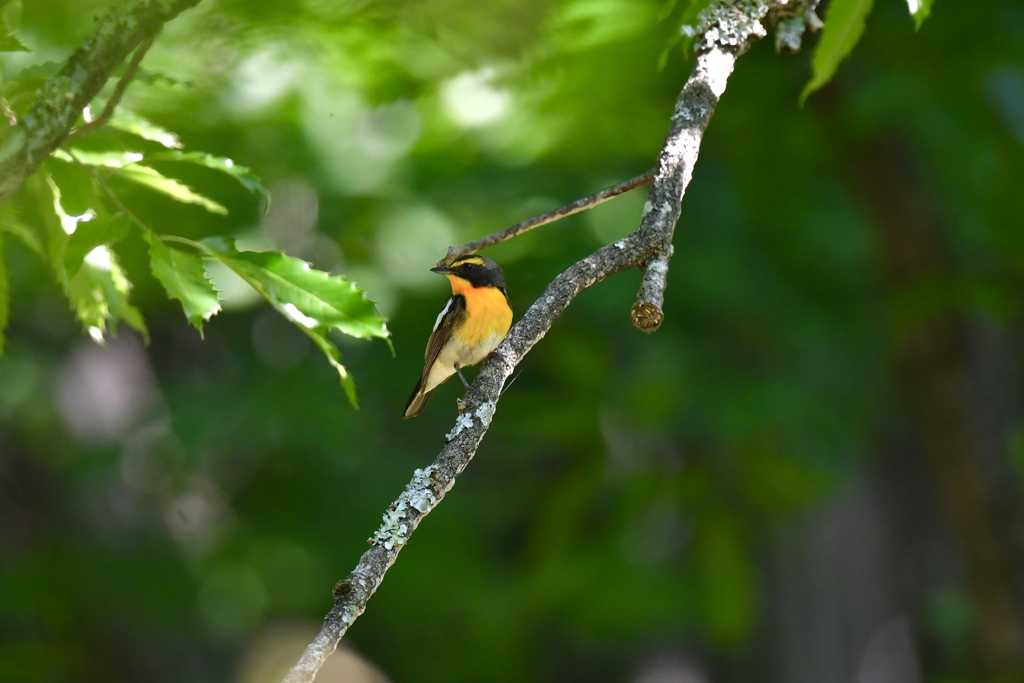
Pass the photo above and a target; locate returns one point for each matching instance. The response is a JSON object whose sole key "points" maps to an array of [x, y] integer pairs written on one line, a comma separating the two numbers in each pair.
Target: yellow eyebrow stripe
{"points": [[475, 260]]}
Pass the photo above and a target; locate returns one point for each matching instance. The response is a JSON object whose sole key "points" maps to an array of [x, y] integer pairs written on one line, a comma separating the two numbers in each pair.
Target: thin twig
{"points": [[60, 101], [119, 89], [694, 107], [547, 217]]}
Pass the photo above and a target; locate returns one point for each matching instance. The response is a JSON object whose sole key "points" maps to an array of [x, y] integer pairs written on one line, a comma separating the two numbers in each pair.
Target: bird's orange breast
{"points": [[487, 312]]}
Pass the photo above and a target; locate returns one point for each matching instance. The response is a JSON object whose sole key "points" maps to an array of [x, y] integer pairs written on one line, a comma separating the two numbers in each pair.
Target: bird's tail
{"points": [[418, 400]]}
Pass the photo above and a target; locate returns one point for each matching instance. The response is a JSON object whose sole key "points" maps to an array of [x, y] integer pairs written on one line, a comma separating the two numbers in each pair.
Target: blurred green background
{"points": [[811, 473]]}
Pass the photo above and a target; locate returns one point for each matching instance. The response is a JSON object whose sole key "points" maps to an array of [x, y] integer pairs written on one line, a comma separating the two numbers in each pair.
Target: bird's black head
{"points": [[479, 271]]}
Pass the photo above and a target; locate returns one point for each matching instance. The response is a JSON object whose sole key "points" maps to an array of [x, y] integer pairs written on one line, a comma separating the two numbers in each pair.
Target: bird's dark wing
{"points": [[448, 319]]}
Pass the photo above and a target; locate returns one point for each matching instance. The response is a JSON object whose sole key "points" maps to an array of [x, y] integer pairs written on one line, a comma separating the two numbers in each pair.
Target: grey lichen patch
{"points": [[485, 412], [462, 423], [733, 24], [419, 496], [349, 614], [421, 490]]}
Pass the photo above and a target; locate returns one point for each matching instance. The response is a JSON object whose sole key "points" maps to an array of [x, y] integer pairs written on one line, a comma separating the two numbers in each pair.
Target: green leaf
{"points": [[334, 358], [108, 159], [184, 278], [102, 230], [10, 43], [5, 294], [315, 301], [10, 222], [57, 232], [130, 122], [99, 296], [245, 176], [153, 179], [844, 25], [919, 9], [309, 298]]}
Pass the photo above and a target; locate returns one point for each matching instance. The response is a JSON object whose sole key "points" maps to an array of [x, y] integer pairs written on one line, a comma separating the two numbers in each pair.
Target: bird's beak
{"points": [[441, 269]]}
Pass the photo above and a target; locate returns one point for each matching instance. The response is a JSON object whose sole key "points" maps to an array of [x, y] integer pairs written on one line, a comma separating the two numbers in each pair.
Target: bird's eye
{"points": [[467, 266]]}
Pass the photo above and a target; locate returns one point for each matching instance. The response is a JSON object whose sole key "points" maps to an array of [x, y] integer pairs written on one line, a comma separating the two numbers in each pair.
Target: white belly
{"points": [[459, 354]]}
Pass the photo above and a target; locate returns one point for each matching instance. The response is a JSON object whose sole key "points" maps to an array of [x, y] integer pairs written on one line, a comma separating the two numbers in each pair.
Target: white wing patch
{"points": [[443, 313]]}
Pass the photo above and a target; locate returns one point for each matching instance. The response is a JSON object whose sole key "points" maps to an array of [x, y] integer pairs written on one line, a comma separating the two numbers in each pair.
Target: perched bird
{"points": [[473, 322]]}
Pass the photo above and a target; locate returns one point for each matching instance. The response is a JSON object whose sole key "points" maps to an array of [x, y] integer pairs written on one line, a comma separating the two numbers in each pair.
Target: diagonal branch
{"points": [[558, 214], [734, 27], [46, 125]]}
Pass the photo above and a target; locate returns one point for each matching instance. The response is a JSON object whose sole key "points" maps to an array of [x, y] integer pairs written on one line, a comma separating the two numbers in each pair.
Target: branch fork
{"points": [[725, 32]]}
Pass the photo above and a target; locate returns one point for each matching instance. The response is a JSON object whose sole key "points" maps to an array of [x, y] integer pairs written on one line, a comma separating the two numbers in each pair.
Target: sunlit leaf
{"points": [[315, 301], [130, 122], [88, 235], [57, 232], [153, 179], [99, 296], [309, 298], [184, 278], [107, 159], [844, 25], [5, 294], [244, 175], [919, 9]]}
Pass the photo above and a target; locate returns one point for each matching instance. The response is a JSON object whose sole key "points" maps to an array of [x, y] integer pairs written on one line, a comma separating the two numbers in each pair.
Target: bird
{"points": [[472, 323]]}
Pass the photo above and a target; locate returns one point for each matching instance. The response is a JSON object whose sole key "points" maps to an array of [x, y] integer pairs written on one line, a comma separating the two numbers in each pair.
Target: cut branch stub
{"points": [[648, 247]]}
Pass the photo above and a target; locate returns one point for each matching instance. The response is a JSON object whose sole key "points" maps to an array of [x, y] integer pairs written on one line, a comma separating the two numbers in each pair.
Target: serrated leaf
{"points": [[153, 179], [5, 294], [242, 174], [313, 300], [919, 9], [184, 278], [844, 25], [99, 296], [102, 230], [309, 298], [10, 43], [130, 122]]}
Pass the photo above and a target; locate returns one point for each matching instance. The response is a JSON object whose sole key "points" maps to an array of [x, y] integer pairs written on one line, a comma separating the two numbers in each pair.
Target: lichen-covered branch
{"points": [[726, 31], [62, 98]]}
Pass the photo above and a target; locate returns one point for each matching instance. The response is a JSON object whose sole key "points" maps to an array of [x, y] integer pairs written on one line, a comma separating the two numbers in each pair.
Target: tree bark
{"points": [[47, 123]]}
